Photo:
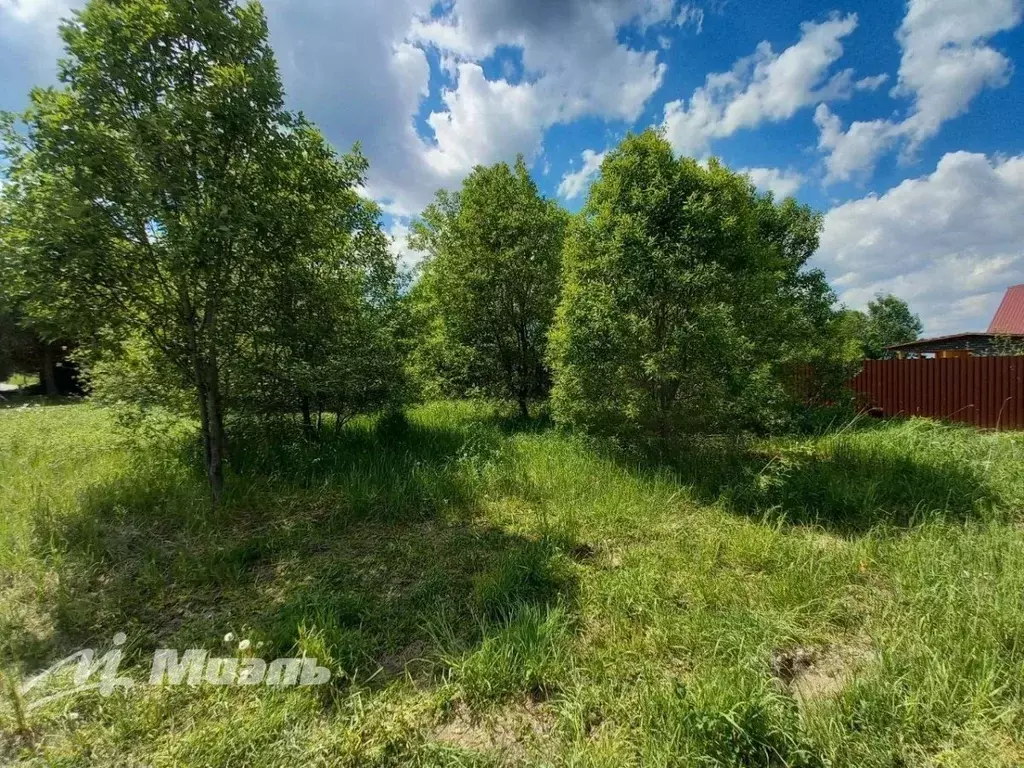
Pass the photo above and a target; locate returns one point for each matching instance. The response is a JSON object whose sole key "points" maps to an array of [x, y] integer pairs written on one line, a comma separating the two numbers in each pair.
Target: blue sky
{"points": [[902, 123]]}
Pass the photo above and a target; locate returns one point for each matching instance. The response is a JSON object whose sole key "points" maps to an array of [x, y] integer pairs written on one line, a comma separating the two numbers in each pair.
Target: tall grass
{"points": [[489, 591]]}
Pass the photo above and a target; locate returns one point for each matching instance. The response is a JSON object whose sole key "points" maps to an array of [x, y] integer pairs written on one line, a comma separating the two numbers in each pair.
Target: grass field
{"points": [[492, 592]]}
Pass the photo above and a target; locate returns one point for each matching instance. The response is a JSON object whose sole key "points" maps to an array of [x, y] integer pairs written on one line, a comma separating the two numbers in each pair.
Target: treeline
{"points": [[209, 252]]}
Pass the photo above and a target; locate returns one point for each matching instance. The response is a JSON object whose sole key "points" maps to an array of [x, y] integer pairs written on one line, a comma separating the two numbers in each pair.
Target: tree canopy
{"points": [[685, 296], [888, 321], [489, 284], [212, 253], [162, 195]]}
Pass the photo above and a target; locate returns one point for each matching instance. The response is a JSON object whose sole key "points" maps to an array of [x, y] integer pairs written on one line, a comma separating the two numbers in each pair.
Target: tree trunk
{"points": [[204, 411], [307, 416], [524, 409], [48, 374], [218, 440], [212, 421]]}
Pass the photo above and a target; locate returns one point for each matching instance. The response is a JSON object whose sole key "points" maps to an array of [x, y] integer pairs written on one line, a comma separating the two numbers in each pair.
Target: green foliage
{"points": [[889, 321], [865, 335], [489, 286], [163, 196], [685, 298], [851, 328], [1007, 345], [328, 335]]}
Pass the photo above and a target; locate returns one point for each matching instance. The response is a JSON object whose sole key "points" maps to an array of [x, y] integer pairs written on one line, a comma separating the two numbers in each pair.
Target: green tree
{"points": [[161, 193], [1008, 345], [889, 321], [851, 327], [329, 335], [490, 284], [685, 298]]}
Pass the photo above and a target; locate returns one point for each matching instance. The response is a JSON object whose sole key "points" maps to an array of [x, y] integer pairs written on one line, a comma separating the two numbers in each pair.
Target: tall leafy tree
{"points": [[161, 192], [889, 321], [851, 329], [329, 335], [490, 283], [685, 297]]}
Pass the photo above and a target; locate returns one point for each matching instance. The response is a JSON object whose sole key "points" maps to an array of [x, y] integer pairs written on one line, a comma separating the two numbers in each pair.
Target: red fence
{"points": [[984, 391]]}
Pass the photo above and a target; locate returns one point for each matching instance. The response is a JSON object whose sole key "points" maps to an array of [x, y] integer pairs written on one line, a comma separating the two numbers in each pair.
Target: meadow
{"points": [[492, 591]]}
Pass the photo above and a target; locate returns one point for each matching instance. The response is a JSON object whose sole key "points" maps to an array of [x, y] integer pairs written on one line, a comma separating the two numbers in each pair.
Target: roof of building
{"points": [[1010, 315], [955, 340]]}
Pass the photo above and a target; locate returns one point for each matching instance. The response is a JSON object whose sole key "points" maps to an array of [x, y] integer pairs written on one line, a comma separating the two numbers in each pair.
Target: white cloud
{"points": [[408, 259], [853, 150], [654, 12], [483, 121], [574, 65], [780, 182], [573, 184], [764, 87], [949, 242], [945, 64], [28, 11], [691, 14], [29, 47]]}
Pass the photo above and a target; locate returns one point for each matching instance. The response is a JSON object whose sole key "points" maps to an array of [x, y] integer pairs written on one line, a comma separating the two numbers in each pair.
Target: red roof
{"points": [[1010, 315]]}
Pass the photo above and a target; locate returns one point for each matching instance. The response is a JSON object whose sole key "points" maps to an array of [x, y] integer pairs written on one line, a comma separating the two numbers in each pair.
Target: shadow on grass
{"points": [[347, 549], [15, 399], [848, 484]]}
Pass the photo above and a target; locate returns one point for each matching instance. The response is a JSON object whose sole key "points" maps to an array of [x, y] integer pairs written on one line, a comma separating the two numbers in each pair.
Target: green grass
{"points": [[490, 592]]}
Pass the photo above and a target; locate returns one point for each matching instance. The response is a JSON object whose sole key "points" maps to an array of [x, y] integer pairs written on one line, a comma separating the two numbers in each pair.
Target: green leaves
{"points": [[489, 286], [162, 197], [889, 321], [684, 295]]}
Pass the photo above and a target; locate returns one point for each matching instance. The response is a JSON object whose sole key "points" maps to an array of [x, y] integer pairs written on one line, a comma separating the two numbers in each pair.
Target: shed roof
{"points": [[937, 343], [1009, 317]]}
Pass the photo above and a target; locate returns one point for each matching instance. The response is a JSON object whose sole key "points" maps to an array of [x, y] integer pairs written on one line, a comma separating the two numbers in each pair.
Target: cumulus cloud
{"points": [[408, 259], [575, 66], [574, 183], [483, 121], [856, 149], [765, 87], [946, 62], [949, 242], [361, 71], [781, 183]]}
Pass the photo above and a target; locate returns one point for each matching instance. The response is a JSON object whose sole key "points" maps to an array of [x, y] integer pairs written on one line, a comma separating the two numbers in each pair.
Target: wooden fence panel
{"points": [[984, 391]]}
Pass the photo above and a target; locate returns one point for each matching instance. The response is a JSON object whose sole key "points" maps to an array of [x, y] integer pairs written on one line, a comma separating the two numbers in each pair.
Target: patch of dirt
{"points": [[511, 731], [810, 673], [582, 552], [411, 659]]}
